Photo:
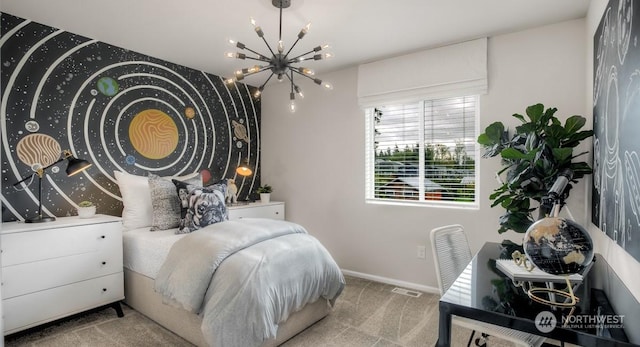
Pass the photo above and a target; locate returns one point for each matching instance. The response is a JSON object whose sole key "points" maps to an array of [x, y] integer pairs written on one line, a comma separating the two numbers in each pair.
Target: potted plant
{"points": [[538, 152], [265, 193], [86, 209]]}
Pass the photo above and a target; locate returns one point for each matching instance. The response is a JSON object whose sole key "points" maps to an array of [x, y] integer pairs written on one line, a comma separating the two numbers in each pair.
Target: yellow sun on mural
{"points": [[153, 134]]}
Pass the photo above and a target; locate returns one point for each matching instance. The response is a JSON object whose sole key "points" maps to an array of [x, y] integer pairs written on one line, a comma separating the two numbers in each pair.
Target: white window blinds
{"points": [[424, 151]]}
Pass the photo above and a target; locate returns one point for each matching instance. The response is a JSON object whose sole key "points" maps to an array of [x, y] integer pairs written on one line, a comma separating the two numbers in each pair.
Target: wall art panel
{"points": [[118, 109], [616, 122]]}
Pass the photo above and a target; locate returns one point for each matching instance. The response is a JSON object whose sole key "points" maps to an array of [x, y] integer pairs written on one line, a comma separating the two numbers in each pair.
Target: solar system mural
{"points": [[615, 206], [118, 109]]}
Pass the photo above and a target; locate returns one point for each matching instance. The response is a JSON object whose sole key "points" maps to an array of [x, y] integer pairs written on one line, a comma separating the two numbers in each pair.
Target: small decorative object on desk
{"points": [[265, 193], [86, 209]]}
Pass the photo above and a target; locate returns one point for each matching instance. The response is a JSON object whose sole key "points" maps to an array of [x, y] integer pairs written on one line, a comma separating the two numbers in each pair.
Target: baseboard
{"points": [[403, 284]]}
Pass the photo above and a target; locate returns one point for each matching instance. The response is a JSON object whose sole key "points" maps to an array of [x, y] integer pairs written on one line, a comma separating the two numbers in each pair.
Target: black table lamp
{"points": [[73, 167]]}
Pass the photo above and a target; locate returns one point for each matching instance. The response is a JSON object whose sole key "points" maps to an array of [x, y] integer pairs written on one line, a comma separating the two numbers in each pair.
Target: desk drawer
{"points": [[32, 246], [25, 311]]}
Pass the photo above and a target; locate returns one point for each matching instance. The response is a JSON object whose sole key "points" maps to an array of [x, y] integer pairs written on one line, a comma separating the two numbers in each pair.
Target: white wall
{"points": [[315, 158], [625, 266]]}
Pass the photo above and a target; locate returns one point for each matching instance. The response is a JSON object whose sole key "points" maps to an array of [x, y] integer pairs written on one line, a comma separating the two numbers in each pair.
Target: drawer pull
{"points": [[104, 263], [104, 289], [102, 237], [277, 212]]}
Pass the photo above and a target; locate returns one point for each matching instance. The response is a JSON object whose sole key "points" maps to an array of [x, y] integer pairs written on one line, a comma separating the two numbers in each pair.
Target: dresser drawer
{"points": [[257, 210], [36, 276], [25, 311], [32, 246]]}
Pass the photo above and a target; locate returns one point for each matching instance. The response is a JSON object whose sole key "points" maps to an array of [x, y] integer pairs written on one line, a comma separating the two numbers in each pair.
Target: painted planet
{"points": [[108, 86], [240, 131], [130, 160], [38, 150], [189, 112], [153, 134]]}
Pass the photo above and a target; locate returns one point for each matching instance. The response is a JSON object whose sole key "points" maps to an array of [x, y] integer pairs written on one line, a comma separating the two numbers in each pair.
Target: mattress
{"points": [[144, 251]]}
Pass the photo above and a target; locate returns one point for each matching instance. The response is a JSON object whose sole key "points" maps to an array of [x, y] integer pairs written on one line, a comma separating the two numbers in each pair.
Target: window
{"points": [[423, 152]]}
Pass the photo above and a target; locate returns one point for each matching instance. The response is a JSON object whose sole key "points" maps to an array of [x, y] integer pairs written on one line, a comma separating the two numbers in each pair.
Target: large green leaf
{"points": [[574, 123], [562, 154], [520, 117], [535, 112], [512, 153], [548, 115], [555, 134]]}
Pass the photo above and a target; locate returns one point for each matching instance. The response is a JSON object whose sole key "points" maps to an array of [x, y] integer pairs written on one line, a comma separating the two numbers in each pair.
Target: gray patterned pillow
{"points": [[165, 203], [205, 206]]}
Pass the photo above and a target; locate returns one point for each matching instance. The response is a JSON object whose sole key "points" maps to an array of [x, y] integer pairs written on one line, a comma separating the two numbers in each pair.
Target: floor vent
{"points": [[406, 292]]}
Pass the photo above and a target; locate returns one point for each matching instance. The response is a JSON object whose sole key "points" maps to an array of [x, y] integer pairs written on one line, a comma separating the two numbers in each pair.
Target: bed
{"points": [[153, 257]]}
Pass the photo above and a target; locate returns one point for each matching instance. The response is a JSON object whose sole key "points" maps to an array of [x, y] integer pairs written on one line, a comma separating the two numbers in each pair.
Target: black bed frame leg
{"points": [[116, 306]]}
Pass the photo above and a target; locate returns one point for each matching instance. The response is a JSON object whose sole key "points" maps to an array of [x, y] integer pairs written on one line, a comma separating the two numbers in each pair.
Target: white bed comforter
{"points": [[246, 276]]}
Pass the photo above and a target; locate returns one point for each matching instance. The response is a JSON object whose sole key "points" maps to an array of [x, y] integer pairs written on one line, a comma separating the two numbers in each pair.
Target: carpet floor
{"points": [[367, 314]]}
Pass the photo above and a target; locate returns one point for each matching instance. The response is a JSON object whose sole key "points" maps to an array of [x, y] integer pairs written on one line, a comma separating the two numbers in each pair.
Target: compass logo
{"points": [[546, 321]]}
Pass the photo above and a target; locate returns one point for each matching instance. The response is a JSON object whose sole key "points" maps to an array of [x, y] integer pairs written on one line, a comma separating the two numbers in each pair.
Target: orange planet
{"points": [[153, 134], [189, 112]]}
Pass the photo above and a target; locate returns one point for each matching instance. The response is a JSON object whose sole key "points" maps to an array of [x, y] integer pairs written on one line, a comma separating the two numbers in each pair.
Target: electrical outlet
{"points": [[422, 252]]}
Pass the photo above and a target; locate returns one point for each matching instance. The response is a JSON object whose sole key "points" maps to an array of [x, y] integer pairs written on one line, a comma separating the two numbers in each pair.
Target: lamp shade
{"points": [[244, 169], [76, 165]]}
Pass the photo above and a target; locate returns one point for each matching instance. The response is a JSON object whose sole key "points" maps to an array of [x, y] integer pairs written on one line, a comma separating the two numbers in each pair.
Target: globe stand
{"points": [[570, 299]]}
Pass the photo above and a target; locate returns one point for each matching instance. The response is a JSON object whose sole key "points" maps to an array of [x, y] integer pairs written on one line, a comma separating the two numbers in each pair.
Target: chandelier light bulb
{"points": [[280, 46], [258, 92], [253, 22], [299, 91], [230, 80], [280, 79], [328, 55], [306, 71], [230, 54], [292, 106], [327, 86]]}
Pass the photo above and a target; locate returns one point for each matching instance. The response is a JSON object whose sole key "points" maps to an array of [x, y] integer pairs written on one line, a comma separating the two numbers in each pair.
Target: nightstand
{"points": [[273, 210], [56, 269]]}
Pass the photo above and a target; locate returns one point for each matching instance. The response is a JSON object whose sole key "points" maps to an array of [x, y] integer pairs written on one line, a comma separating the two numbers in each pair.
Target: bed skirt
{"points": [[140, 296]]}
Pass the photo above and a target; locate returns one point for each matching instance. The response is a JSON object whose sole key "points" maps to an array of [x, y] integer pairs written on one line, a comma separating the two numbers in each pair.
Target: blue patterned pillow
{"points": [[204, 205]]}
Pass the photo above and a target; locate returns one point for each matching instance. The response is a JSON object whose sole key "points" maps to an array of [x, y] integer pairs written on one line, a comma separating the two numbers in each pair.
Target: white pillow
{"points": [[136, 198]]}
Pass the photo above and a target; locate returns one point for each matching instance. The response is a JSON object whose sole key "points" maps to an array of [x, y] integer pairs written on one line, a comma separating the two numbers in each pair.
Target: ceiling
{"points": [[194, 33]]}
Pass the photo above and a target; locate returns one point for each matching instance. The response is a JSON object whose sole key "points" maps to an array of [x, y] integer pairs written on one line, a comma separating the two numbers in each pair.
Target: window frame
{"points": [[370, 158]]}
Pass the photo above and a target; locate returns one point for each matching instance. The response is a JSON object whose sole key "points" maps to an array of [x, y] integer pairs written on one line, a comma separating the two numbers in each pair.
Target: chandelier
{"points": [[279, 63]]}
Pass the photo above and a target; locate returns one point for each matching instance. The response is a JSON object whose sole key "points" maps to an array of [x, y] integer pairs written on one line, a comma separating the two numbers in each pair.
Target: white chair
{"points": [[451, 254]]}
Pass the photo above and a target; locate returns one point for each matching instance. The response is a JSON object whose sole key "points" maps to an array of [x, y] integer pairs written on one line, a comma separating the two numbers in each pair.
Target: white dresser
{"points": [[273, 210], [52, 270]]}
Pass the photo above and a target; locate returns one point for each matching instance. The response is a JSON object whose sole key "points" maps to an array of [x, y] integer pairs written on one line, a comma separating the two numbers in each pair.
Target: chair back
{"points": [[451, 254]]}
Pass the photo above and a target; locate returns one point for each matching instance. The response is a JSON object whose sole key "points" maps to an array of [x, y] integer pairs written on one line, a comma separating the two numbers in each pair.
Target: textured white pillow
{"points": [[136, 198]]}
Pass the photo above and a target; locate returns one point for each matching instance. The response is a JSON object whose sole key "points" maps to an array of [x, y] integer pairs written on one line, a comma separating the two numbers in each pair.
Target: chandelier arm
{"points": [[261, 58], [293, 45], [267, 80], [256, 72], [268, 46], [280, 33], [301, 74], [301, 55], [254, 52], [291, 79]]}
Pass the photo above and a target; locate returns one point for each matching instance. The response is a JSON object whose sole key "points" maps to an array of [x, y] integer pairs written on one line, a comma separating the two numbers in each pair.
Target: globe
{"points": [[558, 246]]}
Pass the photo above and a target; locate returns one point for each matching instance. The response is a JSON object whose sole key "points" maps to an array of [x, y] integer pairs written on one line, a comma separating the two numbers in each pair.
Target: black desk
{"points": [[484, 293]]}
